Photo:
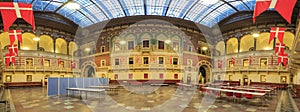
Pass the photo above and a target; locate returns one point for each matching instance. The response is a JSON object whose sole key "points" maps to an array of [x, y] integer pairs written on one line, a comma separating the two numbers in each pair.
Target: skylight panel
{"points": [[52, 6], [24, 1], [133, 7], [65, 11], [39, 6], [156, 7], [250, 3], [196, 11], [113, 8], [179, 7], [83, 3], [239, 5]]}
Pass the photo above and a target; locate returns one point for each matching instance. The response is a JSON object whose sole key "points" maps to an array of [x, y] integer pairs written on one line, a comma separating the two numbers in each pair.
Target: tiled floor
{"points": [[133, 99]]}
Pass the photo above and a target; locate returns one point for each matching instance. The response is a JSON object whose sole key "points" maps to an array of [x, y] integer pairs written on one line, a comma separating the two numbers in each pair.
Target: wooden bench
{"points": [[22, 84]]}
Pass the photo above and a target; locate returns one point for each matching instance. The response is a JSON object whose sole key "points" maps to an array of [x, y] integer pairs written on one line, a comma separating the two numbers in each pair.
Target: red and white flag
{"points": [[10, 58], [250, 60], [15, 35], [10, 11], [136, 59], [121, 59], [232, 60], [171, 59], [220, 64], [73, 64], [283, 7], [279, 48], [59, 61], [277, 32], [283, 58], [42, 60], [13, 49]]}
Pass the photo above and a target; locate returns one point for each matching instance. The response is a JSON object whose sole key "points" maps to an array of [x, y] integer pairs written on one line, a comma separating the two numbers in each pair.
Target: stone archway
{"points": [[88, 69], [204, 71]]}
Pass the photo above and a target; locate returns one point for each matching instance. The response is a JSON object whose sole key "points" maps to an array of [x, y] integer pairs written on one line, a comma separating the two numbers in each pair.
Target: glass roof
{"points": [[94, 11]]}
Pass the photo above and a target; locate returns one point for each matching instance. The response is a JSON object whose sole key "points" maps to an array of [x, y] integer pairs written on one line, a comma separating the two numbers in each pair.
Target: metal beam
{"points": [[62, 6], [191, 8], [100, 9], [47, 5], [167, 8], [122, 7], [211, 12], [231, 5]]}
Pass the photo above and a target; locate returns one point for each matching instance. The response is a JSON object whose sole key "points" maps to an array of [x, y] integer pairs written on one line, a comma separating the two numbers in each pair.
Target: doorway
{"points": [[203, 74], [89, 71]]}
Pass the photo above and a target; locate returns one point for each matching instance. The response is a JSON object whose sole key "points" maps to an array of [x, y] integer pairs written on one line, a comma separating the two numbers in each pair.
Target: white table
{"points": [[100, 91]]}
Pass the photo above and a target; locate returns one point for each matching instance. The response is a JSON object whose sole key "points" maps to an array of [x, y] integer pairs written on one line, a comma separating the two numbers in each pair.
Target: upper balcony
{"points": [[31, 61], [264, 60]]}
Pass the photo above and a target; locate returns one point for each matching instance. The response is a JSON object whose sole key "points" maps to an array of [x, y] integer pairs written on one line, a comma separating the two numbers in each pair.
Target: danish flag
{"points": [[10, 58], [73, 64], [42, 60], [15, 35], [250, 60], [279, 48], [232, 61], [219, 64], [13, 49], [58, 61], [136, 59], [277, 32], [171, 59], [283, 7], [10, 11], [283, 58]]}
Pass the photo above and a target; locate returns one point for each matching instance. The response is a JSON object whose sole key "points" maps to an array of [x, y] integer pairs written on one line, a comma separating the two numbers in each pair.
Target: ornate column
{"points": [[239, 44], [54, 36], [255, 44]]}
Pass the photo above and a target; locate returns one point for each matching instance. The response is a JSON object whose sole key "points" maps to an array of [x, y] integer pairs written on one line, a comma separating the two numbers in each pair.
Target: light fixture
{"points": [[122, 42], [25, 48], [267, 48], [255, 34], [87, 49], [204, 48], [36, 39], [73, 5], [209, 2], [168, 41]]}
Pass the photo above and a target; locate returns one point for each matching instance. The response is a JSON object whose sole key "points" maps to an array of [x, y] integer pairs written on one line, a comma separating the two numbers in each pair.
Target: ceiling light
{"points": [[73, 5], [204, 48], [209, 2], [122, 42], [255, 35], [87, 49], [25, 48], [36, 39], [168, 41]]}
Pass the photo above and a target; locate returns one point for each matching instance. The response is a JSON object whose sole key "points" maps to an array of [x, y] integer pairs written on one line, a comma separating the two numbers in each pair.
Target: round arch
{"points": [[46, 42], [87, 67], [204, 71], [247, 42], [72, 48], [232, 45], [262, 42], [61, 46], [288, 39], [4, 40], [27, 42], [220, 47]]}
